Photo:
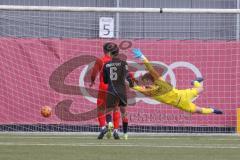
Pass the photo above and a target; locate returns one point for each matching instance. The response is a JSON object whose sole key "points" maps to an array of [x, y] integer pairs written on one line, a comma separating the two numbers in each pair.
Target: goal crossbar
{"points": [[118, 9]]}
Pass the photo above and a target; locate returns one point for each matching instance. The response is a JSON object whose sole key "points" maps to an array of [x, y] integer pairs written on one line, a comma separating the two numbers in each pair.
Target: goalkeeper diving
{"points": [[164, 92]]}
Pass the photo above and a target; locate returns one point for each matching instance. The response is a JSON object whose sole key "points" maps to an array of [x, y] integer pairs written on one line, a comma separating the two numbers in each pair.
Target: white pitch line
{"points": [[222, 139], [131, 138], [87, 137], [118, 145], [130, 133], [47, 137]]}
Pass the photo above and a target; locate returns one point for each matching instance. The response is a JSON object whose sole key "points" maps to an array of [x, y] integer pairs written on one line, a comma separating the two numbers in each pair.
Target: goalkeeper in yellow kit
{"points": [[164, 92]]}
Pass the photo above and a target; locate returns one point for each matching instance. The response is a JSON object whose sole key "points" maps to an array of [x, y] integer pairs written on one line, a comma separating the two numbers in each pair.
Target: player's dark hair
{"points": [[111, 48], [147, 76]]}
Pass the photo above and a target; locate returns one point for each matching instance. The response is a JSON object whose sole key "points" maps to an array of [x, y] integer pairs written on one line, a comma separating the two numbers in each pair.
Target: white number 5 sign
{"points": [[106, 27]]}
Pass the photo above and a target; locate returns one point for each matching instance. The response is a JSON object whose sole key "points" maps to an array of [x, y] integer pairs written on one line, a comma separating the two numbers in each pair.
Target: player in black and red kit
{"points": [[101, 99], [115, 72]]}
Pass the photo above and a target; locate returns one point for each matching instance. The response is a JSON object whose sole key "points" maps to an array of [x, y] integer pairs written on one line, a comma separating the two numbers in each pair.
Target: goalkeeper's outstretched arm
{"points": [[145, 90], [148, 65]]}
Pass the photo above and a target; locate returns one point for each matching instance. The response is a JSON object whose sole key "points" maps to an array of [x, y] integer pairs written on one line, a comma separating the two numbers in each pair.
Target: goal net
{"points": [[46, 58]]}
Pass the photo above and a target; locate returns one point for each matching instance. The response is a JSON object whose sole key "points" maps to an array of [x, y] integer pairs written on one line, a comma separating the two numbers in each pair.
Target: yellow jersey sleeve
{"points": [[148, 91], [138, 88]]}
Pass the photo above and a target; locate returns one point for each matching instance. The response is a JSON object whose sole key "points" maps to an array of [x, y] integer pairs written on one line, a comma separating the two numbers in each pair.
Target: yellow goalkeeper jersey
{"points": [[163, 92]]}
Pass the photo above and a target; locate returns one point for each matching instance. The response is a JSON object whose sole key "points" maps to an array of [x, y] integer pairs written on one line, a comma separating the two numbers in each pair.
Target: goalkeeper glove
{"points": [[138, 53]]}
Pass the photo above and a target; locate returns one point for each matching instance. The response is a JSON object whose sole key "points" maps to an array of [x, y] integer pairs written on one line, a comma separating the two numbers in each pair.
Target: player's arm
{"points": [[138, 54], [96, 69], [145, 90], [105, 74], [128, 75]]}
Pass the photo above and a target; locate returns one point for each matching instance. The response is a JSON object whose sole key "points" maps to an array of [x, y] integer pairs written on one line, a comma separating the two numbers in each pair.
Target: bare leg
{"points": [[124, 120]]}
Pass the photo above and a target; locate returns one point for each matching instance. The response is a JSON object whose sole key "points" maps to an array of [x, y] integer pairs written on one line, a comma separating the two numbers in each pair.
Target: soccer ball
{"points": [[46, 111]]}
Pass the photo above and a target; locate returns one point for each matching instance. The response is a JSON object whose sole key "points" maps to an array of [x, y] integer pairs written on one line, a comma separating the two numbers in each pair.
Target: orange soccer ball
{"points": [[46, 111]]}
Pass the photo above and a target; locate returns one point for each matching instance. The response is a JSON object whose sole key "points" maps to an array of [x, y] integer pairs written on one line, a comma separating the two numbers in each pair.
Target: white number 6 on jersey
{"points": [[113, 73]]}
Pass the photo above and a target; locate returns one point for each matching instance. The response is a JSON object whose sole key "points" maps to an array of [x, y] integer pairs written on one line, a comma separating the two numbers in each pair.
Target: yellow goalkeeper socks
{"points": [[197, 84], [207, 110]]}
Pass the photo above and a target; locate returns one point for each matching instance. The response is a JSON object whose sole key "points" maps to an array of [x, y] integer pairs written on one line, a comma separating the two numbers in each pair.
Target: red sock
{"points": [[101, 119], [116, 118]]}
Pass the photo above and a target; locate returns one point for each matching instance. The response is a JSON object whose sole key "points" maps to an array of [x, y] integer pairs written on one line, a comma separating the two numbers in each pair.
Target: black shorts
{"points": [[113, 100]]}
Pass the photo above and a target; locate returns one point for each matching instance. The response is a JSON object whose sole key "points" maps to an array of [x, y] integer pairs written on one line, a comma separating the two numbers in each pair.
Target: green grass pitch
{"points": [[87, 147]]}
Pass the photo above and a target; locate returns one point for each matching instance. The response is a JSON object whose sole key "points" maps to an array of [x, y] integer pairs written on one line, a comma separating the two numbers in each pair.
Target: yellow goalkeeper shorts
{"points": [[185, 102]]}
